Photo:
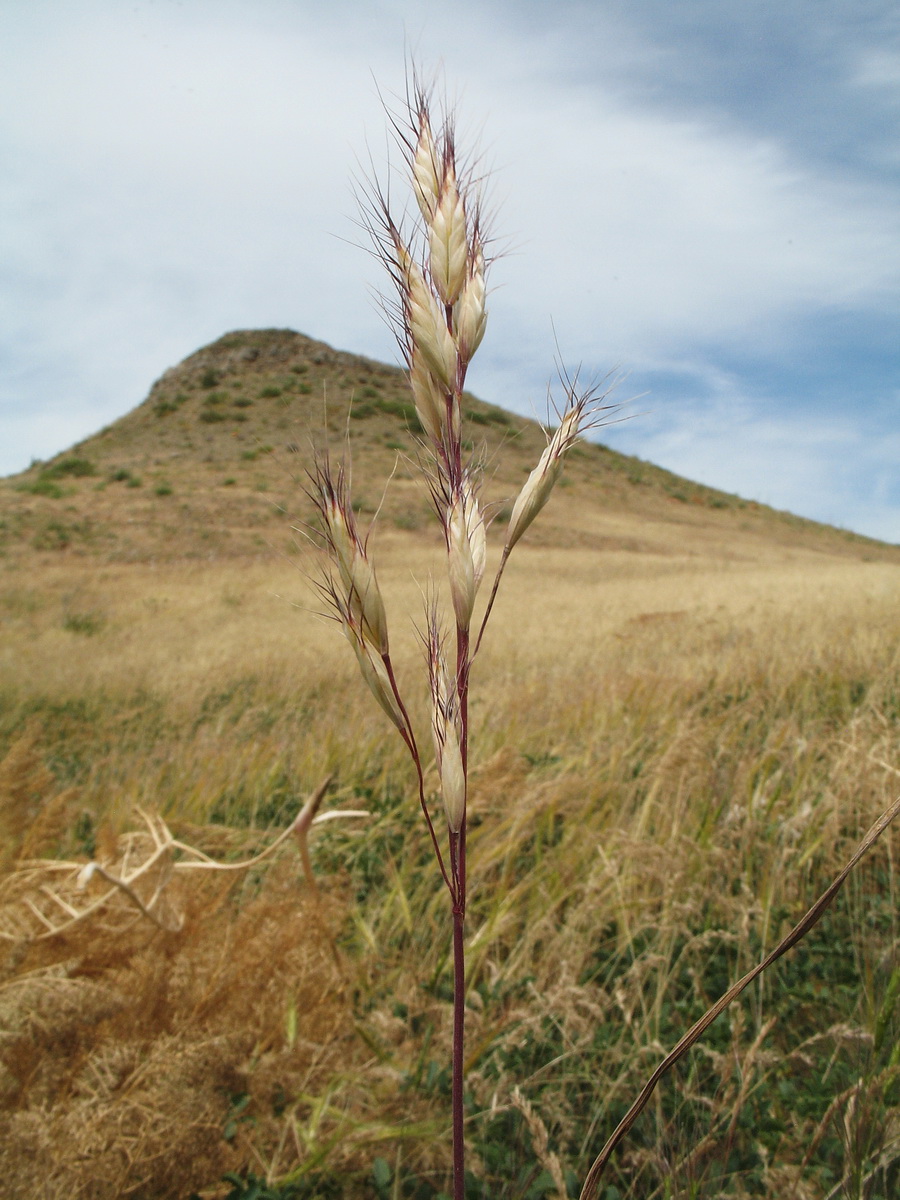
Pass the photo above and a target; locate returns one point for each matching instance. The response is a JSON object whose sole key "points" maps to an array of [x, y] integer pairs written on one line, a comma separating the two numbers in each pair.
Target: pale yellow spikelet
{"points": [[476, 531], [341, 539], [466, 551], [441, 696], [460, 565], [453, 781], [427, 335], [469, 312], [361, 594], [446, 734], [428, 328], [540, 483], [533, 496], [448, 242], [425, 178], [366, 603], [431, 406], [375, 674]]}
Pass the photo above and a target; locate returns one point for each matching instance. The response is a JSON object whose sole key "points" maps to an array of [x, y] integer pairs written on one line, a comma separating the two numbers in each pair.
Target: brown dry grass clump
{"points": [[139, 1062], [32, 809]]}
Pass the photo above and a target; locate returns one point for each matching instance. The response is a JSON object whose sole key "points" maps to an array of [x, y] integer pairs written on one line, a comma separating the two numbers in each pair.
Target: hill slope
{"points": [[213, 460]]}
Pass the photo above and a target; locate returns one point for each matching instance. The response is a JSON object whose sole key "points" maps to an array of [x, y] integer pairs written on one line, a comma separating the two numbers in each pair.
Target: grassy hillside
{"points": [[686, 712], [209, 464]]}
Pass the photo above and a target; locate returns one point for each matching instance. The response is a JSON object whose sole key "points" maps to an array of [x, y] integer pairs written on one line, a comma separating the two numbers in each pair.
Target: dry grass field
{"points": [[684, 716]]}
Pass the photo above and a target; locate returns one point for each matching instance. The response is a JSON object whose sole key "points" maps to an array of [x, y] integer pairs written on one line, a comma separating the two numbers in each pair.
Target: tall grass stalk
{"points": [[438, 264]]}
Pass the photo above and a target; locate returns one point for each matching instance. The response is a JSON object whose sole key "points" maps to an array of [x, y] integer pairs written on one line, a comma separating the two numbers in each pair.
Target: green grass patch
{"points": [[257, 452], [44, 485], [86, 624], [168, 405]]}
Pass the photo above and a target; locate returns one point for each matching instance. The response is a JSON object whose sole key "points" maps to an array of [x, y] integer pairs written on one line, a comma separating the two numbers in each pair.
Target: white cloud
{"points": [[879, 67], [654, 231]]}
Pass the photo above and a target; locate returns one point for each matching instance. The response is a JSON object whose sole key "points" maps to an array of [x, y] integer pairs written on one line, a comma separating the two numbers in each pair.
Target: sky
{"points": [[701, 196]]}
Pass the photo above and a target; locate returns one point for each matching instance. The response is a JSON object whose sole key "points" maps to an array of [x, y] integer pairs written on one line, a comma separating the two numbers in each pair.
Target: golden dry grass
{"points": [[647, 728]]}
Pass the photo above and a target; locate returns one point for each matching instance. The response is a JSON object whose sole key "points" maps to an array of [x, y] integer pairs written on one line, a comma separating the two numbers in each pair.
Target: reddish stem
{"points": [[459, 1015], [458, 840], [411, 744], [492, 598], [458, 866]]}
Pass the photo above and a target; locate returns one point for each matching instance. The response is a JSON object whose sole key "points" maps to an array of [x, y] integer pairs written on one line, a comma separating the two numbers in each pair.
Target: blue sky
{"points": [[705, 196]]}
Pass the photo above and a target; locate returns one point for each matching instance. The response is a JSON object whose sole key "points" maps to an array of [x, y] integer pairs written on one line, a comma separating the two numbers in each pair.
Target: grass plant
{"points": [[439, 268]]}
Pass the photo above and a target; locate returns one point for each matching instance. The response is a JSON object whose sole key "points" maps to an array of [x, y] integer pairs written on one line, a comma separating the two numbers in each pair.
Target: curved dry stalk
{"points": [[809, 920], [50, 895], [144, 908], [300, 827]]}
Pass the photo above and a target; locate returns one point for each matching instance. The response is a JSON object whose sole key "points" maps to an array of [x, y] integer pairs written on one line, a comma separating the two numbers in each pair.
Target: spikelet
{"points": [[445, 731], [448, 242], [431, 407], [428, 330], [469, 313], [453, 781], [466, 550], [535, 494], [374, 672], [580, 414], [360, 595], [425, 180]]}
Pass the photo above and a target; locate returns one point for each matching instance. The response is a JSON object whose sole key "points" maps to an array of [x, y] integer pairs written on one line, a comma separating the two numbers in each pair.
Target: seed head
{"points": [[437, 268], [582, 413], [448, 241], [359, 591], [445, 730], [466, 549]]}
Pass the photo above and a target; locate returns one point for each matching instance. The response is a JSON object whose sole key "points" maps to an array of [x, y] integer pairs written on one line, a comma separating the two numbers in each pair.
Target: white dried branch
{"points": [[45, 899]]}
